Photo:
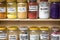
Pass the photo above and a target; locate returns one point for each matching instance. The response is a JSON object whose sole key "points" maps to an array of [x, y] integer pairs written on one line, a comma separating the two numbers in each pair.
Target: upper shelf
{"points": [[29, 19]]}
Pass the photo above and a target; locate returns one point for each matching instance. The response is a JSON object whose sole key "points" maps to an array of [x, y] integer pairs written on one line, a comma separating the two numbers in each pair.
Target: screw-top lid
{"points": [[3, 28], [23, 28], [32, 0], [55, 28], [12, 28], [44, 28], [33, 28], [44, 0]]}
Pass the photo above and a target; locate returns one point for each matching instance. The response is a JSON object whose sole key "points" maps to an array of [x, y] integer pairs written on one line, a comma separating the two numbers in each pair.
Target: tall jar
{"points": [[23, 33], [32, 9], [44, 9], [54, 10], [55, 33], [3, 13], [22, 9], [12, 33], [44, 33], [11, 10], [34, 33], [3, 33]]}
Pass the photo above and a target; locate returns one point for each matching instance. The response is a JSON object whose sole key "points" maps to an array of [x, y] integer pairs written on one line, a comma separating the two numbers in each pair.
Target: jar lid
{"points": [[23, 28], [3, 28], [32, 0], [33, 28], [44, 0], [44, 28], [55, 28], [12, 28]]}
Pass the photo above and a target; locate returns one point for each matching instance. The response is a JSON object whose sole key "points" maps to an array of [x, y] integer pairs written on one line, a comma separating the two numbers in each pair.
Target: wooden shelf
{"points": [[29, 19]]}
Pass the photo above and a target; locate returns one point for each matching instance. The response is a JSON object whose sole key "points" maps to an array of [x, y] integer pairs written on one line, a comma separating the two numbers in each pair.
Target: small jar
{"points": [[3, 13], [32, 9], [3, 33], [34, 33], [23, 33], [22, 10], [44, 33], [11, 10], [44, 9], [12, 33], [55, 33]]}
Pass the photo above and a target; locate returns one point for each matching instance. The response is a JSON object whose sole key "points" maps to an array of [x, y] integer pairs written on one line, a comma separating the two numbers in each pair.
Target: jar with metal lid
{"points": [[32, 9], [3, 33], [23, 33], [55, 33], [11, 10], [44, 33], [12, 33], [34, 33], [3, 13]]}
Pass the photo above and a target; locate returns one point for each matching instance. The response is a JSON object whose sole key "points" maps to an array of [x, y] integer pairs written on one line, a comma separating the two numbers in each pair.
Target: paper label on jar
{"points": [[44, 36], [11, 9], [22, 9], [54, 37], [34, 37], [12, 37], [3, 36], [33, 8], [2, 9], [23, 36]]}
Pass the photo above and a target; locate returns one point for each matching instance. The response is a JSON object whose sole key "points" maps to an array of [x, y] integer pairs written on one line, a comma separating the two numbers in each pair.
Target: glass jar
{"points": [[34, 33], [11, 10], [3, 13], [32, 9], [3, 33], [44, 9], [23, 33], [55, 33], [22, 10], [12, 33], [44, 33]]}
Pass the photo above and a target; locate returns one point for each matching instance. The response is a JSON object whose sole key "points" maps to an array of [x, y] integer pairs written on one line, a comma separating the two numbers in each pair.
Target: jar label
{"points": [[22, 9], [12, 37], [23, 36], [3, 36], [11, 9], [44, 10], [54, 37], [33, 8], [2, 9], [44, 36], [34, 37]]}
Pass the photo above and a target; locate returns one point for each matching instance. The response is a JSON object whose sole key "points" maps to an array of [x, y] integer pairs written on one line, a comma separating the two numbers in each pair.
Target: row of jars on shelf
{"points": [[31, 10], [31, 33], [28, 0]]}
